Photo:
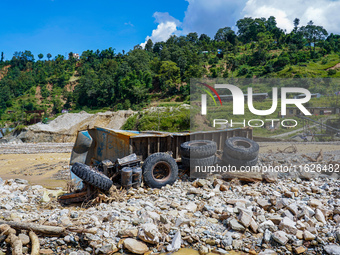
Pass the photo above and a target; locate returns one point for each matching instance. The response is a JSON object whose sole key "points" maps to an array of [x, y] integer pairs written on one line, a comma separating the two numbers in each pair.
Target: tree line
{"points": [[163, 69]]}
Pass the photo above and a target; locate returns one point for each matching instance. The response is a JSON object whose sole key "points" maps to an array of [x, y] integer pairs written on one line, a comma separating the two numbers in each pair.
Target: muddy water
{"points": [[40, 169]]}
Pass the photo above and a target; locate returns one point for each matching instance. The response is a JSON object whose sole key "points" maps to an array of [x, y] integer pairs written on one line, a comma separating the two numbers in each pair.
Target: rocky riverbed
{"points": [[292, 215], [296, 212]]}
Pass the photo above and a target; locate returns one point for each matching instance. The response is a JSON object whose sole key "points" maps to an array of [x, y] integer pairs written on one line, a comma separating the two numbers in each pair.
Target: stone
{"points": [[320, 216], [276, 219], [270, 177], [294, 189], [308, 211], [267, 225], [108, 249], [315, 202], [201, 182], [24, 239], [267, 236], [304, 175], [245, 219], [288, 226], [236, 226], [300, 249], [153, 215], [315, 189], [293, 208], [267, 252], [132, 232], [135, 246], [149, 233], [237, 244], [288, 194], [164, 219], [203, 250], [46, 251], [228, 240], [65, 221], [299, 234], [280, 237], [253, 225], [221, 251], [191, 207], [264, 203], [312, 230], [332, 249], [282, 203], [288, 214], [210, 241], [176, 242], [308, 236]]}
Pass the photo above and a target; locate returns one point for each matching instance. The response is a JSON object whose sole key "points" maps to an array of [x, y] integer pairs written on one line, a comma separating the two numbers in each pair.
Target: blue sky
{"points": [[62, 26]]}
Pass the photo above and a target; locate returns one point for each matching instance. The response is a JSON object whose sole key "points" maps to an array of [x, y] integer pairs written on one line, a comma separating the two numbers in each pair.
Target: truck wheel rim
{"points": [[161, 171]]}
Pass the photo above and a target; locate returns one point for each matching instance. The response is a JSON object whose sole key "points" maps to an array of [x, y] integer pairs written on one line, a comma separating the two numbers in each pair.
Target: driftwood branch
{"points": [[309, 158], [318, 158], [47, 230], [16, 244], [35, 243]]}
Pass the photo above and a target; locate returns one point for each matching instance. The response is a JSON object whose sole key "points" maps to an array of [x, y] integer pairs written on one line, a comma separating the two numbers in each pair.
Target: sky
{"points": [[63, 26]]}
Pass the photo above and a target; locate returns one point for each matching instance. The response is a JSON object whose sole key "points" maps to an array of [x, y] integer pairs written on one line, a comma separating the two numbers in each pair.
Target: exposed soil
{"points": [[334, 67]]}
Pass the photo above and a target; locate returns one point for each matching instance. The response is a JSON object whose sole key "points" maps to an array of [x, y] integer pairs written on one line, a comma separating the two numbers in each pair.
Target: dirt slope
{"points": [[65, 127]]}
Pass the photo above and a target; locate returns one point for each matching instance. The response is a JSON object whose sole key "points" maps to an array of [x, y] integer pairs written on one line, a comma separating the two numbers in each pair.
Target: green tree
{"points": [[225, 35], [40, 56], [169, 77], [192, 37], [49, 55], [2, 57], [249, 28], [313, 33], [149, 45], [296, 24]]}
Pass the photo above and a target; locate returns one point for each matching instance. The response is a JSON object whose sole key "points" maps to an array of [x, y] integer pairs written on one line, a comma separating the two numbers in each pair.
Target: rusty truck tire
{"points": [[198, 149], [238, 163], [241, 148], [91, 176], [201, 162], [159, 169]]}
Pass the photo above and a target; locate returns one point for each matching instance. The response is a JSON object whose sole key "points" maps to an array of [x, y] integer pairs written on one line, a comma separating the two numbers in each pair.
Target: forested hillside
{"points": [[162, 71]]}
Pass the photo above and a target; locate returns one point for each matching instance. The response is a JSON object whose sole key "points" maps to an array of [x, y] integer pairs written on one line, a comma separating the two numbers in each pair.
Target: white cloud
{"points": [[167, 26], [207, 16], [322, 12]]}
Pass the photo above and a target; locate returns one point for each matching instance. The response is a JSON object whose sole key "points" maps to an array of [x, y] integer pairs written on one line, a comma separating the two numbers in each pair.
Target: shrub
{"points": [[331, 72]]}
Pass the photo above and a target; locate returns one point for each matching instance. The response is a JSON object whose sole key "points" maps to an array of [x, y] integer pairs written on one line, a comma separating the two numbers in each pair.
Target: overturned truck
{"points": [[101, 155]]}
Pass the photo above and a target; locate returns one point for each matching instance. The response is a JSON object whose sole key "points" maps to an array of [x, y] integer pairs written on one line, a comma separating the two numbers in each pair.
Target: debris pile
{"points": [[288, 216], [64, 128]]}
